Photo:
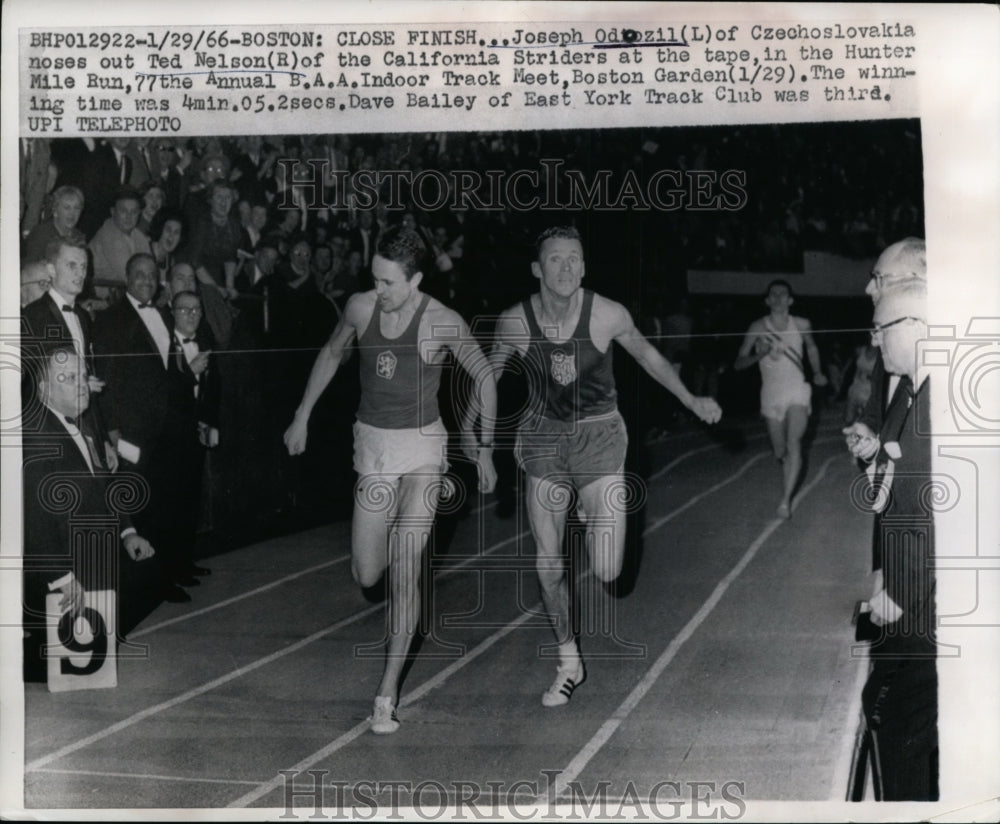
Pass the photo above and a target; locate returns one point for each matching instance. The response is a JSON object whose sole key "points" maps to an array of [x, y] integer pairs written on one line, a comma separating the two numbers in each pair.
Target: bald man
{"points": [[900, 696], [35, 281]]}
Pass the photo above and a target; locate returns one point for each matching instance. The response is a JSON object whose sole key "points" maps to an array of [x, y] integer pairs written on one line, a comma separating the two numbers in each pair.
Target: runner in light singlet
{"points": [[779, 343]]}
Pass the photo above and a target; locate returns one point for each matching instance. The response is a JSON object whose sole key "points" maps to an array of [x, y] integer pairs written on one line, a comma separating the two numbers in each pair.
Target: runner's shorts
{"points": [[578, 452], [775, 405], [395, 452]]}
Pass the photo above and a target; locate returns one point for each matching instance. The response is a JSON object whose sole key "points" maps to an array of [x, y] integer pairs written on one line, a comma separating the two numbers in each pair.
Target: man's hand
{"points": [[295, 435], [819, 379], [110, 457], [487, 472], [95, 384], [137, 547], [706, 409], [72, 599], [884, 609], [200, 362], [861, 441]]}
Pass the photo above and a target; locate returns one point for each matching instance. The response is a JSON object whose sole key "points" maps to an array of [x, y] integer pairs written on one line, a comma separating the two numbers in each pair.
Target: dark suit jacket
{"points": [[906, 538], [205, 408], [53, 465], [137, 395], [42, 324]]}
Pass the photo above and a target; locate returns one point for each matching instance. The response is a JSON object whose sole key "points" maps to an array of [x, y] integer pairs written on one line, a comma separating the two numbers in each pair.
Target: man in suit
{"points": [[900, 262], [133, 342], [196, 424], [900, 696], [60, 449], [57, 316]]}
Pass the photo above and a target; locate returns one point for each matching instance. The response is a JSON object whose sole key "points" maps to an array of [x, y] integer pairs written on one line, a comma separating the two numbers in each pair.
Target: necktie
{"points": [[145, 305], [188, 340], [892, 427], [71, 421], [67, 308]]}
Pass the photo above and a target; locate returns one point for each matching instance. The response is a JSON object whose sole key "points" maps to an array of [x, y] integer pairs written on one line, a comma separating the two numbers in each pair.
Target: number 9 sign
{"points": [[80, 650]]}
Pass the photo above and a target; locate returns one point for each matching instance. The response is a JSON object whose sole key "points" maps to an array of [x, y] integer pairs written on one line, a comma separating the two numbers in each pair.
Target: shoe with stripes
{"points": [[384, 720], [568, 678]]}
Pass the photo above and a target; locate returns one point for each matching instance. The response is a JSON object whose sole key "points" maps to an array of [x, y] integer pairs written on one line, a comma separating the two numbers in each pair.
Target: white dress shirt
{"points": [[153, 320]]}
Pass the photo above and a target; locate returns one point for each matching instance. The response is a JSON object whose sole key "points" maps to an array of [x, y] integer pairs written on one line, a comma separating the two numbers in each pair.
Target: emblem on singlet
{"points": [[563, 367], [385, 367]]}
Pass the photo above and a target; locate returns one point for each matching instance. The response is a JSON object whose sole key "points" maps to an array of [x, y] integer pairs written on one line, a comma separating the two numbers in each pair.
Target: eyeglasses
{"points": [[881, 278], [164, 148], [188, 310], [878, 329]]}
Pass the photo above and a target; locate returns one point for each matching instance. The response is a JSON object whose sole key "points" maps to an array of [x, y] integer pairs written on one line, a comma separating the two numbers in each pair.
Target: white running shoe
{"points": [[568, 678], [384, 720]]}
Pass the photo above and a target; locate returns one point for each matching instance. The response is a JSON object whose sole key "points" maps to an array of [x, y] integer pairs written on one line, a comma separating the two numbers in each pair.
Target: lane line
{"points": [[339, 560], [237, 598], [439, 678], [135, 718], [692, 501], [363, 727], [147, 776], [194, 692], [618, 717]]}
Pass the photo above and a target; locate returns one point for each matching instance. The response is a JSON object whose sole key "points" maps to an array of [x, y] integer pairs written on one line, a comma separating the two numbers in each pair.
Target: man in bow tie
{"points": [[56, 315], [60, 451], [142, 407]]}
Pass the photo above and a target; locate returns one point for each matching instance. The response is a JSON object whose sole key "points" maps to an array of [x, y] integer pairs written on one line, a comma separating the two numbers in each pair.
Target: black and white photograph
{"points": [[499, 416]]}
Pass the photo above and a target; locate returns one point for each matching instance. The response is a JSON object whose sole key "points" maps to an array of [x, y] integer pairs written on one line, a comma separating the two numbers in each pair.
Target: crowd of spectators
{"points": [[276, 248]]}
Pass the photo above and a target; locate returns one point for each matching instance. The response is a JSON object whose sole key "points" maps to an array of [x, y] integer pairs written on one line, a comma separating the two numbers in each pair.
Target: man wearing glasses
{"points": [[904, 261], [35, 282], [900, 696]]}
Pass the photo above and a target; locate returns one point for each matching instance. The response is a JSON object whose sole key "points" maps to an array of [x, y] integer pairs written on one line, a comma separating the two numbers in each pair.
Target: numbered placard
{"points": [[81, 650]]}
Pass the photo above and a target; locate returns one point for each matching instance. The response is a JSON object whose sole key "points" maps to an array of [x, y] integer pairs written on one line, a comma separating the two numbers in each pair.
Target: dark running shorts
{"points": [[578, 452]]}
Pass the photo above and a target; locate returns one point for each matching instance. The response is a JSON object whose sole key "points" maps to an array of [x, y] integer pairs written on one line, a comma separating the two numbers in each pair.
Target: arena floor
{"points": [[723, 674]]}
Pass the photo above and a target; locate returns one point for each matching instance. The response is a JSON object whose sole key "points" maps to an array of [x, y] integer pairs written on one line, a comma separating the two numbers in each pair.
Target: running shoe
{"points": [[568, 678], [384, 720]]}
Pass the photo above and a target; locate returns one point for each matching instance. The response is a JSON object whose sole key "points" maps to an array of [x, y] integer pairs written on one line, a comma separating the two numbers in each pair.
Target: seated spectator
{"points": [[66, 208], [167, 173], [166, 233], [115, 242], [60, 445], [153, 198], [215, 240], [35, 281]]}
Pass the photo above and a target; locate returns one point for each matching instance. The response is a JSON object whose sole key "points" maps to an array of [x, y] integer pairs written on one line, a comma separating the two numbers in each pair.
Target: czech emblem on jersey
{"points": [[386, 365], [563, 367]]}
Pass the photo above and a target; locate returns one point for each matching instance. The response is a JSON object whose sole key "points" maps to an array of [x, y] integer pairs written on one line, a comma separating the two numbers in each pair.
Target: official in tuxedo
{"points": [[66, 479], [57, 316], [900, 696], [132, 340], [196, 422]]}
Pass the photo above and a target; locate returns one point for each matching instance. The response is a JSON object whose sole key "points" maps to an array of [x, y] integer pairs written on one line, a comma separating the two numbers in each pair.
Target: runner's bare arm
{"points": [[812, 351], [753, 348], [657, 367], [325, 367]]}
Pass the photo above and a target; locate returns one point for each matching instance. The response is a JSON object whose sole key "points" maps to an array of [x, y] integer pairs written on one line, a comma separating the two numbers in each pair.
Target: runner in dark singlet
{"points": [[572, 432], [399, 439]]}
